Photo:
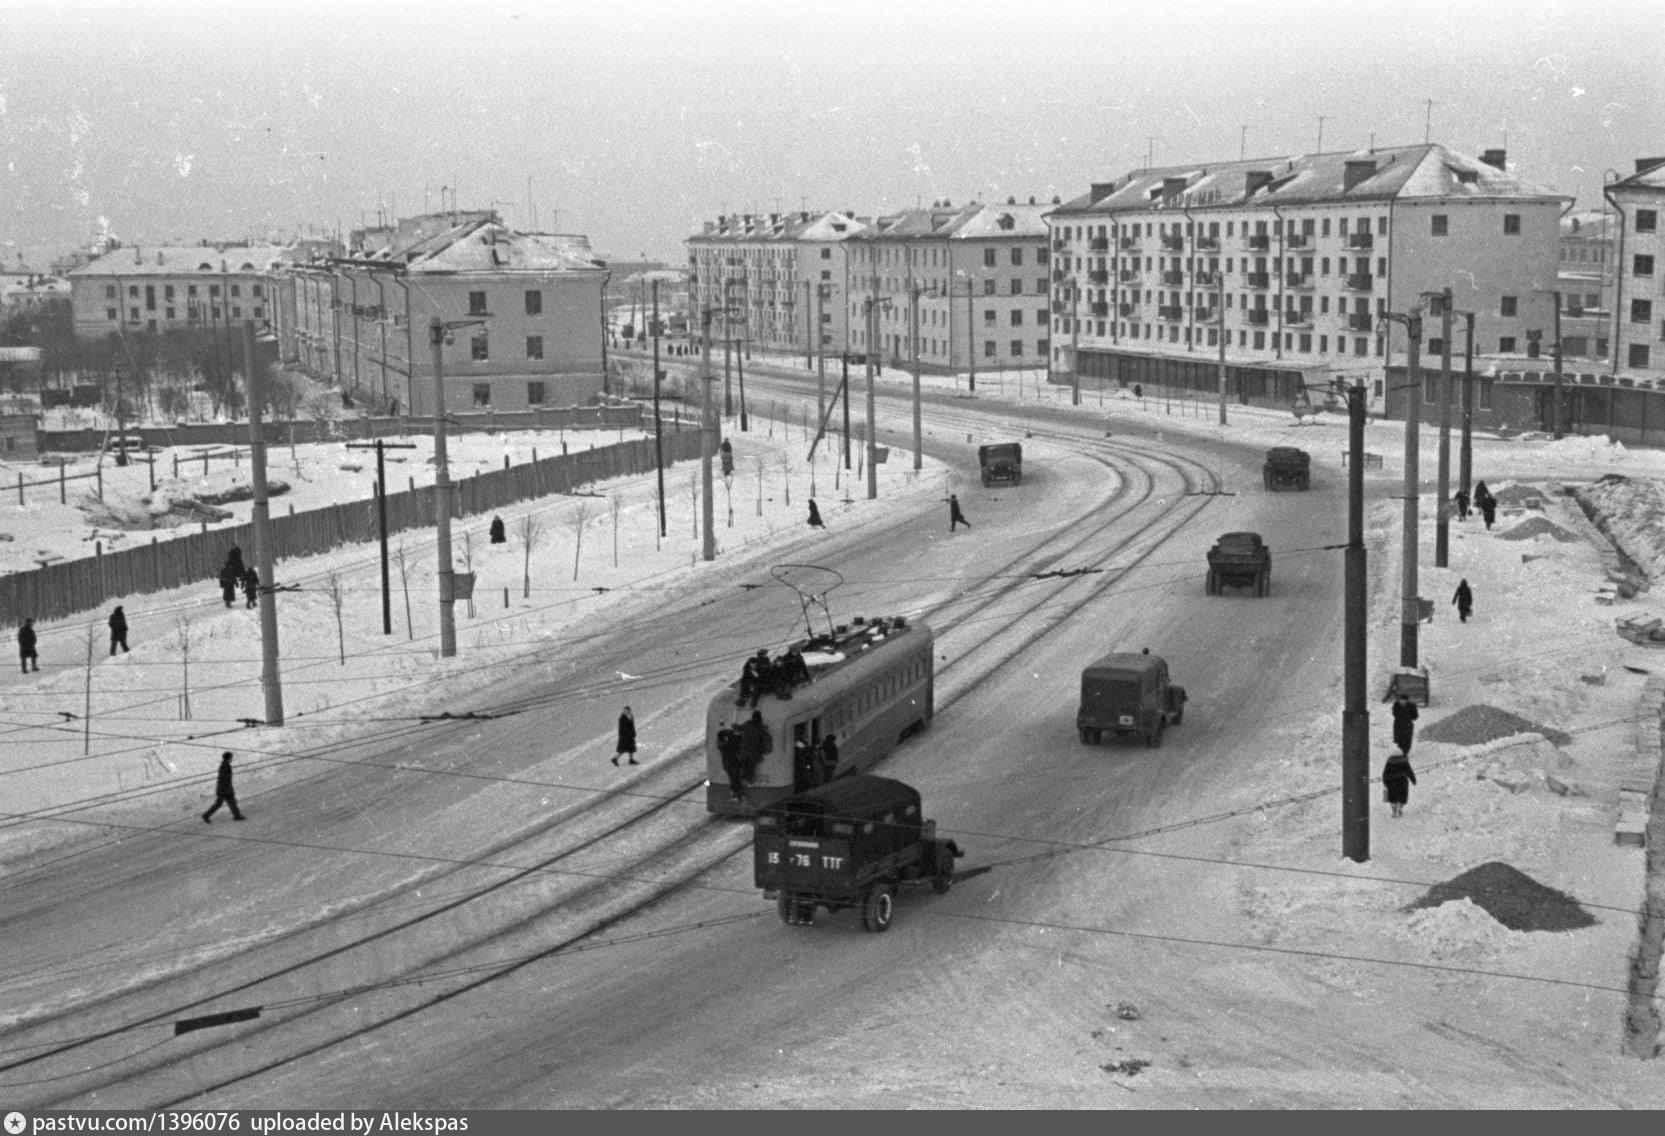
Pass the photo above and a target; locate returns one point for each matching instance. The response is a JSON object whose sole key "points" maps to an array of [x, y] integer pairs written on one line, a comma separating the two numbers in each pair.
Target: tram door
{"points": [[806, 751]]}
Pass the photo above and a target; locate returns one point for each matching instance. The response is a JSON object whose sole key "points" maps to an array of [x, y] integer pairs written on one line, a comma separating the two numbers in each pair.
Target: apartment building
{"points": [[522, 312], [1585, 278], [969, 285], [207, 286], [768, 279], [1639, 263], [1292, 265]]}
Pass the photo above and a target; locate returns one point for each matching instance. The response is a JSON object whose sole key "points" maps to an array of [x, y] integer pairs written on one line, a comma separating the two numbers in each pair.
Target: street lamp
{"points": [[439, 334], [1410, 614]]}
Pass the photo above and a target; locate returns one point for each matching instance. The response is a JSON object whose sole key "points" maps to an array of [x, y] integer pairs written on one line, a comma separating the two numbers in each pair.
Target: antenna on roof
{"points": [[1428, 122], [1320, 149]]}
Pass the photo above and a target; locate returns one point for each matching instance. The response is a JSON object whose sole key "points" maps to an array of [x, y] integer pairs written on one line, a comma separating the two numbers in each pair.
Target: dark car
{"points": [[1128, 693], [1001, 462]]}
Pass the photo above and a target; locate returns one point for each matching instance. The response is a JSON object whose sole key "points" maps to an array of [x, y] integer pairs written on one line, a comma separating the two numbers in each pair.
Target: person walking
{"points": [[229, 579], [26, 646], [815, 521], [497, 534], [1404, 722], [627, 738], [1397, 779], [251, 585], [955, 517], [1464, 599], [755, 744], [118, 630], [1460, 498], [1488, 511], [224, 794], [728, 747], [828, 758]]}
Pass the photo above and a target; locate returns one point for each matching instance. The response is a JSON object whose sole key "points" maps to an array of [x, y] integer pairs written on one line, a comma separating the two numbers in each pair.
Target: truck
{"points": [[1239, 560], [1128, 693], [848, 843], [1286, 465], [1001, 462]]}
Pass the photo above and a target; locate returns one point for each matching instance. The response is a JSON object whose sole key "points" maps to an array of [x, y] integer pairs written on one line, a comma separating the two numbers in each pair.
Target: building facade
{"points": [[522, 311], [1288, 268], [1586, 279], [1639, 263], [767, 280], [210, 286]]}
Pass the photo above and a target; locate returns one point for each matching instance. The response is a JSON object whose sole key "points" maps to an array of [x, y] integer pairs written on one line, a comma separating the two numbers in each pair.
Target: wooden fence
{"points": [[63, 589]]}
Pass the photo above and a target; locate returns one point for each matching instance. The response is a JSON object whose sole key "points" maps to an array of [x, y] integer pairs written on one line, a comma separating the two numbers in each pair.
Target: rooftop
{"points": [[176, 260]]}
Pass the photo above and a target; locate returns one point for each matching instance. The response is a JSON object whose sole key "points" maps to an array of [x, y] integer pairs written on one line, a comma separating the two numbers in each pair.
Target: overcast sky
{"points": [[633, 121]]}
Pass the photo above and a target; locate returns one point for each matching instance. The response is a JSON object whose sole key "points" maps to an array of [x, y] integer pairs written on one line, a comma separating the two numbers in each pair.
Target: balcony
{"points": [[1059, 276], [1173, 279], [1358, 321], [1173, 243], [1130, 244], [1295, 317], [1258, 279], [1128, 275], [1099, 244], [1361, 241], [1099, 276], [1100, 308], [1171, 312], [1209, 279], [1257, 242], [1060, 308], [1129, 310], [1207, 315], [1208, 244], [1302, 280], [1259, 317], [1297, 241], [1361, 281]]}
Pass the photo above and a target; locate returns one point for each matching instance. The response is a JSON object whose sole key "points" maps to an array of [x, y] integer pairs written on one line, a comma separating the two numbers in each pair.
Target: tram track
{"points": [[689, 848]]}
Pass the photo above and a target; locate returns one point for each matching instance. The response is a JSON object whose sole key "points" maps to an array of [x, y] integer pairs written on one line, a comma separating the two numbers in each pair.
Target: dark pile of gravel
{"points": [[1533, 526], [1512, 897], [1513, 494], [1477, 725]]}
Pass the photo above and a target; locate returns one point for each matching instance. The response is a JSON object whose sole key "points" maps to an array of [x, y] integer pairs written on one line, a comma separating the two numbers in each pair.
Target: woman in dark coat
{"points": [[1404, 723], [1464, 599], [627, 738], [1397, 779], [815, 521]]}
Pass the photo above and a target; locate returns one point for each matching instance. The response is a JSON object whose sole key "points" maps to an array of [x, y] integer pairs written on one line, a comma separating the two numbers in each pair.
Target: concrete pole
{"points": [[1220, 314], [970, 335], [918, 429], [872, 381], [1442, 522], [1409, 615], [708, 442], [1355, 718], [728, 346], [1560, 426], [1465, 459], [1075, 344], [270, 681], [658, 432], [820, 363], [810, 333], [442, 497]]}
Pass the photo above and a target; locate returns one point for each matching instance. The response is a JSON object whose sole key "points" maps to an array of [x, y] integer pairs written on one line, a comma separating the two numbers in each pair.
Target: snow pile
{"points": [[1538, 526], [1632, 512], [1456, 929]]}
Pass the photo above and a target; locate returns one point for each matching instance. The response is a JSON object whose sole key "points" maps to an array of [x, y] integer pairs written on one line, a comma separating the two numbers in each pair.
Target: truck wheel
{"points": [[876, 907], [944, 879], [1179, 716], [1086, 736], [1266, 479], [1306, 481], [1154, 739], [1212, 587], [794, 912]]}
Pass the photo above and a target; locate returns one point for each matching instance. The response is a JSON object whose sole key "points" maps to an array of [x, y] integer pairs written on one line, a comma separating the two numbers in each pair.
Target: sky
{"points": [[636, 120]]}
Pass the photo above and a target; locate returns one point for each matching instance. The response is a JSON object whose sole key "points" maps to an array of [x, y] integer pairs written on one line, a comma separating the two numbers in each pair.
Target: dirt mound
{"points": [[1513, 494], [1477, 725], [1535, 526], [1512, 897]]}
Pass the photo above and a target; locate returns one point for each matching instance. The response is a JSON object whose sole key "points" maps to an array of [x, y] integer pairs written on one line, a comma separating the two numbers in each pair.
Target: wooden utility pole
{"points": [[1442, 515], [442, 497], [1355, 718], [264, 562], [381, 446], [918, 432], [708, 439], [872, 381], [658, 433], [1220, 316]]}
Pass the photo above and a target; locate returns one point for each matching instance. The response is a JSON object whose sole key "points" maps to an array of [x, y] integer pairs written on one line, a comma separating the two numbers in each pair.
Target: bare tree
{"points": [[530, 529], [468, 566], [615, 502], [86, 710], [694, 501], [183, 623], [579, 518], [786, 476], [404, 582], [759, 461], [332, 587]]}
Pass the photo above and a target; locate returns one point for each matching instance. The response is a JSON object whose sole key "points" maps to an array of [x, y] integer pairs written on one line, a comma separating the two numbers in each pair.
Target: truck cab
{"points": [[1127, 693], [1002, 462]]}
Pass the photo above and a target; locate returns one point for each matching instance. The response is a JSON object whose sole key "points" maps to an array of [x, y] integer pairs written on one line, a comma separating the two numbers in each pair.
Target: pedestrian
{"points": [[229, 579], [815, 521], [1488, 511], [224, 794], [627, 738], [1397, 779], [1464, 599], [955, 517], [118, 630], [1461, 499], [497, 535], [804, 765], [726, 452], [251, 585], [26, 646], [829, 759], [755, 744], [1404, 722], [728, 746], [1138, 391]]}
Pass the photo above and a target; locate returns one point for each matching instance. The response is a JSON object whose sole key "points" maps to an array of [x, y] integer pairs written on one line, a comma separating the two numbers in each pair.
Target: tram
{"points": [[870, 685]]}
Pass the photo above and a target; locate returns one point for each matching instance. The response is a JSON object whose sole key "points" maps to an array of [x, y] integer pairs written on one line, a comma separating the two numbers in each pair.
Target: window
{"points": [[1041, 255], [988, 287], [1040, 318], [1511, 224], [1017, 258], [1508, 306], [1017, 317], [1436, 346], [534, 343], [534, 304], [1040, 285], [476, 303], [988, 258], [482, 394], [478, 348], [190, 289], [167, 292], [988, 317], [109, 313], [237, 312], [826, 254], [1643, 265], [255, 291], [1440, 225], [988, 348], [1017, 286], [259, 313], [1647, 220], [236, 290], [1641, 311], [133, 291], [534, 394], [1361, 345], [1042, 346], [1506, 345], [109, 291], [1638, 354], [1017, 347]]}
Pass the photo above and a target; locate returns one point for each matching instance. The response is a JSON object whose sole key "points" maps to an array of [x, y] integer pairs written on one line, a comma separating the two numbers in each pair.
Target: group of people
{"points": [[1484, 503], [1397, 774], [813, 764], [28, 640], [778, 676], [742, 748], [235, 574]]}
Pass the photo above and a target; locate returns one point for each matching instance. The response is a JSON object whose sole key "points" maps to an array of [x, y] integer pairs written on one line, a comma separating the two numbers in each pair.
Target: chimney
{"points": [[1645, 165], [1099, 190], [158, 258], [1495, 159], [137, 258], [1254, 180], [1360, 170], [1011, 201], [1172, 187], [1031, 199]]}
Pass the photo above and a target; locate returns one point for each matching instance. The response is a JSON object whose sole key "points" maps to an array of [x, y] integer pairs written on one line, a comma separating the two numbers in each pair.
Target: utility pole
{"points": [[811, 334], [740, 365], [442, 496], [845, 385], [381, 446], [1559, 424], [121, 422], [918, 428], [1075, 344], [1465, 459], [728, 345], [1410, 614], [658, 434], [1442, 523], [970, 336], [820, 357], [708, 440], [270, 682], [604, 331], [1355, 718], [872, 381], [1220, 314]]}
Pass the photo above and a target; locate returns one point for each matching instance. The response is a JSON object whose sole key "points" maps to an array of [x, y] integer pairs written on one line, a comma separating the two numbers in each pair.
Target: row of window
{"points": [[533, 302], [871, 695], [192, 313], [534, 394], [110, 291]]}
